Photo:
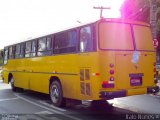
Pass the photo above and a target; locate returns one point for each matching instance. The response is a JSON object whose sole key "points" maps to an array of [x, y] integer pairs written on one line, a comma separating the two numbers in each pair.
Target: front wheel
{"points": [[56, 94], [12, 84]]}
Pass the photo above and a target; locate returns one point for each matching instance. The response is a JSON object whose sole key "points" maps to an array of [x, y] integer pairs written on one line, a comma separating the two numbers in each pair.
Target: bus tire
{"points": [[12, 84], [56, 94], [20, 90]]}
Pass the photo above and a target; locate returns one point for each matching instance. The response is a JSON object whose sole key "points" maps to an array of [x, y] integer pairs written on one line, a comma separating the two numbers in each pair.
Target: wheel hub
{"points": [[55, 94]]}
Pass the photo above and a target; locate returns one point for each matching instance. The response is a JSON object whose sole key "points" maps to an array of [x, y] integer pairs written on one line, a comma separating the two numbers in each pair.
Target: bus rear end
{"points": [[127, 59]]}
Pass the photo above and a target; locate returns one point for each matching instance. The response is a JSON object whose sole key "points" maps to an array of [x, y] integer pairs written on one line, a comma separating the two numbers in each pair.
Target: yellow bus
{"points": [[102, 60]]}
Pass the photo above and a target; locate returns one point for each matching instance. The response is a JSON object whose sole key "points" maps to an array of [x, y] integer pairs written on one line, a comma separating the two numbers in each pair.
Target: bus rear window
{"points": [[115, 36], [143, 38]]}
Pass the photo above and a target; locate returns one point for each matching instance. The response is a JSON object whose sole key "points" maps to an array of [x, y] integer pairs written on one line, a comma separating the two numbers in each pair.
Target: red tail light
{"points": [[111, 78], [155, 74], [111, 72], [105, 84], [111, 65], [97, 74], [154, 64]]}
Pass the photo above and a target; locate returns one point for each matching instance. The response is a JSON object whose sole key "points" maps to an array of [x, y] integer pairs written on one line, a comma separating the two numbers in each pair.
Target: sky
{"points": [[26, 19]]}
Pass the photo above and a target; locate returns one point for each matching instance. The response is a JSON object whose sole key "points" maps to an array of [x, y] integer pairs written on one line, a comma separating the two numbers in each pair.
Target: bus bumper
{"points": [[113, 94], [124, 93]]}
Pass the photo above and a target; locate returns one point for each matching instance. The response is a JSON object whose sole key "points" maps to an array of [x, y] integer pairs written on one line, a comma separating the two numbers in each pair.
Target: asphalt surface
{"points": [[29, 105]]}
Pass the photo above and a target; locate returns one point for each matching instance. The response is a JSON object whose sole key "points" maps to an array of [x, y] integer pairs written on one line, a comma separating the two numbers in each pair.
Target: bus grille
{"points": [[88, 89], [85, 82]]}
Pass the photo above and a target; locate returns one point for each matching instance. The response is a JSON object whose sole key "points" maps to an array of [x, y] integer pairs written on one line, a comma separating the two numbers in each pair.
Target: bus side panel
{"points": [[65, 68], [8, 68], [58, 66], [36, 75], [20, 75], [5, 76], [89, 77], [39, 82]]}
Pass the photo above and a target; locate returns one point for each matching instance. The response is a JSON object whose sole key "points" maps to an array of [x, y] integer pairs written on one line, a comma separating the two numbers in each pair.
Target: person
{"points": [[85, 39]]}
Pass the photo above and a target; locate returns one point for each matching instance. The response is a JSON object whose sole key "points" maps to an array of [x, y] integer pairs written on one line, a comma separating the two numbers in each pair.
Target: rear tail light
{"points": [[154, 64], [111, 65], [106, 84], [111, 72], [109, 83], [111, 78], [97, 74], [155, 73]]}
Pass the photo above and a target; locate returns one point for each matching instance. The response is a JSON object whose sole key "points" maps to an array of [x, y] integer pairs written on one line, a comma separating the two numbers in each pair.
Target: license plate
{"points": [[136, 81]]}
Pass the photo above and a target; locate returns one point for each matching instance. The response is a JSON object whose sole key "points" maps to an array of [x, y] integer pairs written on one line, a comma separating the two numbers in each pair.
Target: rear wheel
{"points": [[56, 94]]}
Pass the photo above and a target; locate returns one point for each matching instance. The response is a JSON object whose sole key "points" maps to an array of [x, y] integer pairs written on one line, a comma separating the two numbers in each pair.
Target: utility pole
{"points": [[153, 22], [101, 10], [153, 18]]}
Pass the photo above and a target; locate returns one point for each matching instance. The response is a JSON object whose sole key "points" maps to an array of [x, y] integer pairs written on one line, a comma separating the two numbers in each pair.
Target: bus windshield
{"points": [[119, 36]]}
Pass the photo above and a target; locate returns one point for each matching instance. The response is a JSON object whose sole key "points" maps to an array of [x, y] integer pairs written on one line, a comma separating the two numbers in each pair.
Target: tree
{"points": [[1, 59], [136, 10]]}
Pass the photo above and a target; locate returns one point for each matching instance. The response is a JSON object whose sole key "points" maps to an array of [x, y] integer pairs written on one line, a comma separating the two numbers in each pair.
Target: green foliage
{"points": [[1, 59]]}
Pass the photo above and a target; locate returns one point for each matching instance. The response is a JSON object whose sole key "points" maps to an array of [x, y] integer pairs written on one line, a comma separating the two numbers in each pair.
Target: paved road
{"points": [[33, 105]]}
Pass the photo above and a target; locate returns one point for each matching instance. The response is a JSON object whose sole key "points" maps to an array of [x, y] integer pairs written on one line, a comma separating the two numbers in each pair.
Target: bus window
{"points": [[72, 36], [65, 42], [17, 53], [27, 49], [5, 55], [49, 43], [22, 50], [115, 36], [41, 46], [33, 48], [86, 39], [143, 38], [44, 46], [11, 52]]}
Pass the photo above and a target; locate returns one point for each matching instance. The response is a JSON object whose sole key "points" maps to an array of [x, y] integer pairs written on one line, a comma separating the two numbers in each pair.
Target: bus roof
{"points": [[83, 24], [125, 21]]}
